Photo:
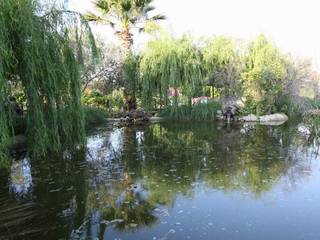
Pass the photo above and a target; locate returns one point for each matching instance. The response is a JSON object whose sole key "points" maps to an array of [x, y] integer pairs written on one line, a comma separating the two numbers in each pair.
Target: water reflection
{"points": [[20, 178], [105, 146], [169, 181]]}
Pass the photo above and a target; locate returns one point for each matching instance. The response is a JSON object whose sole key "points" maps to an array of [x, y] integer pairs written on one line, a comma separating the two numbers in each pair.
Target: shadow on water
{"points": [[136, 183]]}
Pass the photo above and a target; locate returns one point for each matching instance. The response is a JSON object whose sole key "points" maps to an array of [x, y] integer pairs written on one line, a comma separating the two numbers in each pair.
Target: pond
{"points": [[170, 181]]}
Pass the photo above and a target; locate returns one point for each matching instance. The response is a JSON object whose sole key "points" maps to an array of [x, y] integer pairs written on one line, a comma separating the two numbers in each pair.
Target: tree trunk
{"points": [[130, 100], [126, 38]]}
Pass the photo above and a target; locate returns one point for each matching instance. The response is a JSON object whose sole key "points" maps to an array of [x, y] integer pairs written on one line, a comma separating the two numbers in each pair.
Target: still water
{"points": [[170, 181]]}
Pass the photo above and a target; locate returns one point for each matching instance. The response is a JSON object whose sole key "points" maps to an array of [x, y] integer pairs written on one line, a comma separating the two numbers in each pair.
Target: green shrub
{"points": [[253, 107], [293, 109], [198, 112], [94, 117], [112, 102], [284, 105]]}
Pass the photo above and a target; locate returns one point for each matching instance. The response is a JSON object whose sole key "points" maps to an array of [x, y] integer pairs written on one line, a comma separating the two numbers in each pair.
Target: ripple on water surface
{"points": [[170, 181]]}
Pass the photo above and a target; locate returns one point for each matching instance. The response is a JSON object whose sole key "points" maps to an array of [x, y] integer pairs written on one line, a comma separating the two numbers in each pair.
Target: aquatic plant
{"points": [[37, 51]]}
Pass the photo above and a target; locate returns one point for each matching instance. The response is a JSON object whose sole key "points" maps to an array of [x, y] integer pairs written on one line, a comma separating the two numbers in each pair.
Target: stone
{"points": [[277, 117], [272, 119], [230, 107], [249, 118]]}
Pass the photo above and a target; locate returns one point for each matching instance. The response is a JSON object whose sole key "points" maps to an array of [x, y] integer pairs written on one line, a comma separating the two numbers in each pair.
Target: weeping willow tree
{"points": [[224, 59], [36, 50], [171, 63]]}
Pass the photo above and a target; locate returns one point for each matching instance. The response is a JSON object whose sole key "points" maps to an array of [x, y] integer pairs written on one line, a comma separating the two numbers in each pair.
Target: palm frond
{"points": [[133, 20], [140, 3], [126, 5], [102, 5], [148, 9], [92, 17], [158, 17], [141, 30]]}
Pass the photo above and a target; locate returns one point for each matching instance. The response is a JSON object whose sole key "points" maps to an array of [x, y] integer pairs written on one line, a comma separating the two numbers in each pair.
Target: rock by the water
{"points": [[234, 103], [277, 117], [231, 106], [219, 115], [249, 118], [272, 118]]}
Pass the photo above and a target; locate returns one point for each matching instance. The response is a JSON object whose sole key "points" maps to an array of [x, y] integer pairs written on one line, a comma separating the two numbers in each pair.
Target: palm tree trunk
{"points": [[126, 38]]}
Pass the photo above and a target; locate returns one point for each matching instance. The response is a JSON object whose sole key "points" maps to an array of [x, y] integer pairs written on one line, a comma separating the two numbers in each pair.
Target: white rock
{"points": [[277, 117], [250, 118], [266, 119]]}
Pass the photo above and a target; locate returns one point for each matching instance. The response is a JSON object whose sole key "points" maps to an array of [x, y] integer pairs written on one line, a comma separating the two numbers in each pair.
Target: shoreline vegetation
{"points": [[67, 80]]}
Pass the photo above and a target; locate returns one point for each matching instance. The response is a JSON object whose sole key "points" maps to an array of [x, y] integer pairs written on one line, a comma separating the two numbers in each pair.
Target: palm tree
{"points": [[124, 16]]}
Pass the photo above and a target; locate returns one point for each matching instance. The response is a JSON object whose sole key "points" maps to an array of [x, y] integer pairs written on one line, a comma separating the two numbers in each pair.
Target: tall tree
{"points": [[36, 52], [264, 74], [224, 62], [171, 63], [124, 16]]}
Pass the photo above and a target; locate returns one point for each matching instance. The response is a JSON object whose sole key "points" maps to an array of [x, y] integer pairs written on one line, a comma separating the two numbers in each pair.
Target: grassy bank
{"points": [[198, 112], [94, 117]]}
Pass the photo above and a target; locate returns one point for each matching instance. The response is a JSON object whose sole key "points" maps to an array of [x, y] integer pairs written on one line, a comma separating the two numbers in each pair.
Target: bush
{"points": [[283, 104], [95, 99], [293, 109], [253, 107], [94, 117], [198, 112], [112, 102]]}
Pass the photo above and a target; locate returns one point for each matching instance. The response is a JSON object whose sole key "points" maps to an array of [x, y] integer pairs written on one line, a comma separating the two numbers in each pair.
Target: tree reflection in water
{"points": [[160, 162], [129, 178], [20, 178]]}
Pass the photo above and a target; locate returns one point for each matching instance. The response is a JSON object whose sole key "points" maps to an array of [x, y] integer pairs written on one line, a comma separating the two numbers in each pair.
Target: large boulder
{"points": [[249, 118], [277, 117], [231, 105], [272, 119]]}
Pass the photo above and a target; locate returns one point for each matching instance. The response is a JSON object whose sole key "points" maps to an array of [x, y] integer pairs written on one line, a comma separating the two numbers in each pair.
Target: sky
{"points": [[293, 25]]}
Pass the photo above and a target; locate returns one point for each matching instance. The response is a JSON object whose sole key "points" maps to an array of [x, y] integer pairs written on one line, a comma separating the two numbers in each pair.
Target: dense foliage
{"points": [[171, 63], [224, 60], [36, 52], [47, 55], [264, 78], [257, 72], [198, 112], [111, 102]]}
